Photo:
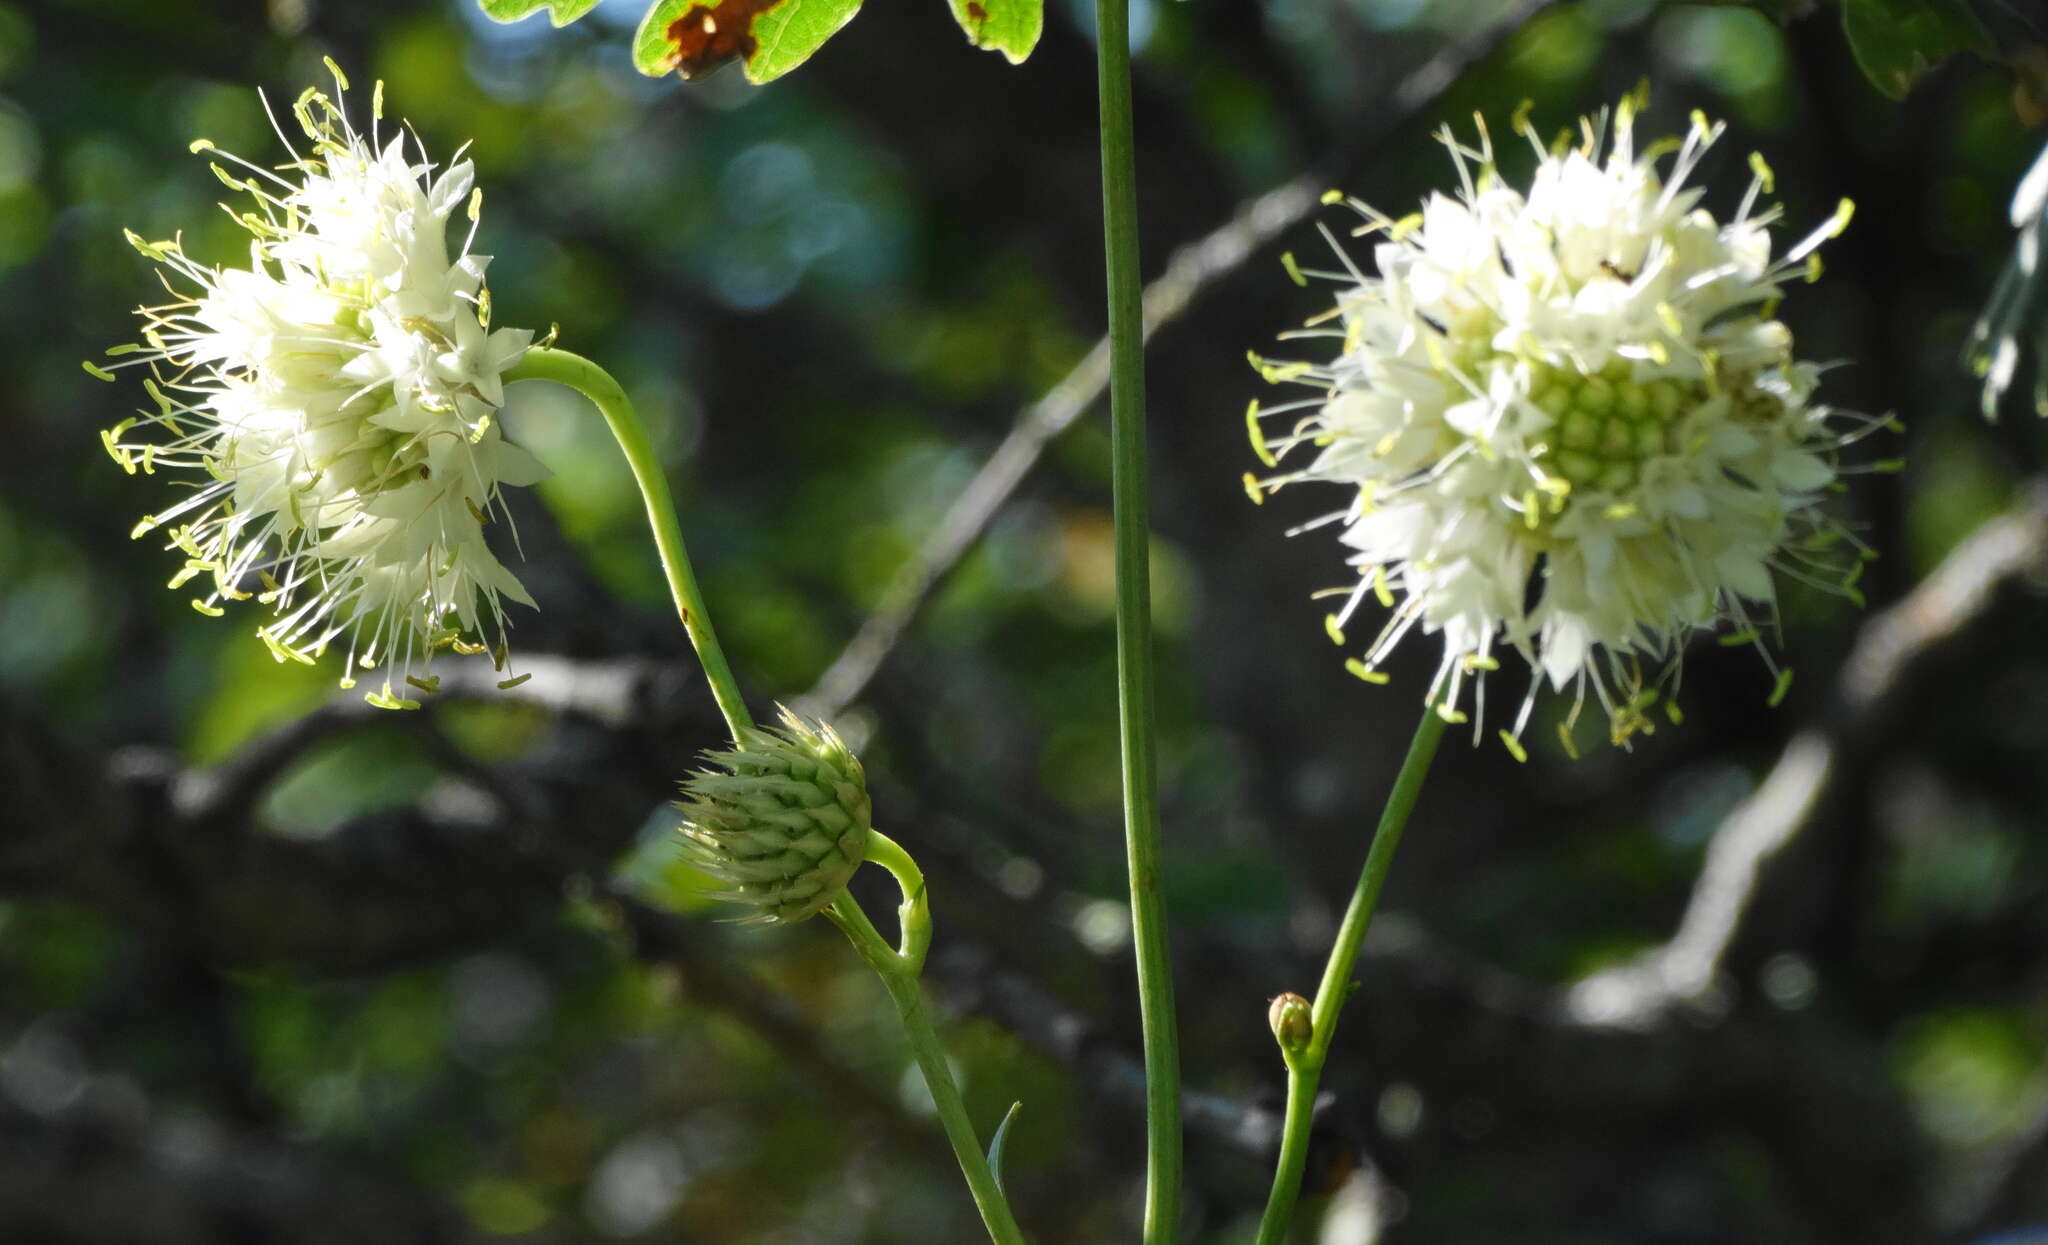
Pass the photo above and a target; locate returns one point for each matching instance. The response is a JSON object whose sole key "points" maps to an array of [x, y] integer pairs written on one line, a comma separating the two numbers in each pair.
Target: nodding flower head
{"points": [[337, 398], [786, 822], [1571, 425]]}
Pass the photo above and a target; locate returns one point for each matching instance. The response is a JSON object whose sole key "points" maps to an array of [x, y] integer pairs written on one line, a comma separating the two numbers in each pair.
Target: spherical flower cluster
{"points": [[1571, 425], [338, 398], [2015, 322], [787, 823]]}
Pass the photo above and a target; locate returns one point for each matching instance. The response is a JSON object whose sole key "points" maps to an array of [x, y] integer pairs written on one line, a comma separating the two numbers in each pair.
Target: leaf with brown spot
{"points": [[709, 37], [768, 37], [1011, 27]]}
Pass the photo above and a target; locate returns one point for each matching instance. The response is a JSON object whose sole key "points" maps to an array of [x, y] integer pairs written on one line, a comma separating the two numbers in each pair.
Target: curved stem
{"points": [[900, 979], [898, 968], [914, 915], [1305, 1066], [1134, 621], [593, 382]]}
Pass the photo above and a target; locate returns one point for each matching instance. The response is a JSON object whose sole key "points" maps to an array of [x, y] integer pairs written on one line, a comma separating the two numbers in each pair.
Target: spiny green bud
{"points": [[1292, 1018], [787, 822]]}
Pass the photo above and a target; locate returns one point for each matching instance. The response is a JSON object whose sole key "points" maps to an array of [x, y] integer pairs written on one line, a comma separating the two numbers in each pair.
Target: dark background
{"points": [[277, 967]]}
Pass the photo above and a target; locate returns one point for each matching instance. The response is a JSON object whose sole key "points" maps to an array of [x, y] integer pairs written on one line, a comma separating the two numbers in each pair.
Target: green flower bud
{"points": [[787, 823], [1292, 1018]]}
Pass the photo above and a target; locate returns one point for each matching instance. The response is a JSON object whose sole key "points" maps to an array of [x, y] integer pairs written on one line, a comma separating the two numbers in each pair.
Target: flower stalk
{"points": [[1134, 621], [899, 969], [593, 382], [1305, 1058]]}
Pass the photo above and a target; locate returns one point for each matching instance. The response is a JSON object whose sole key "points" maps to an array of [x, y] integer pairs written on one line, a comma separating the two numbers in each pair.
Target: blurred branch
{"points": [[1467, 1032], [183, 856], [230, 791], [763, 1008], [975, 983], [1190, 271], [1880, 671], [2018, 1193], [258, 896], [69, 1136], [412, 884]]}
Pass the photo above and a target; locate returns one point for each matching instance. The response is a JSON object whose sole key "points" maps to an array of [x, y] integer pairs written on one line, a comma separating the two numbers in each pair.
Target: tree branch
{"points": [[68, 1137], [177, 855], [1879, 673]]}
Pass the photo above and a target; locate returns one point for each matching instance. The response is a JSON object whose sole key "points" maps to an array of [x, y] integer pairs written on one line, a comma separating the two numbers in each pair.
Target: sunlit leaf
{"points": [[560, 12], [1896, 41], [768, 37], [1007, 26]]}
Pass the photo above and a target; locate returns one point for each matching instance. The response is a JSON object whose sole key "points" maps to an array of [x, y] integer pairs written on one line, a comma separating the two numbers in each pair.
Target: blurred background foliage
{"points": [[831, 297]]}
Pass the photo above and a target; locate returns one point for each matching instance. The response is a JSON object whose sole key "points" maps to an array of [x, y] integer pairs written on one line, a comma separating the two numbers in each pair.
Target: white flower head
{"points": [[1571, 425], [338, 400], [2014, 324]]}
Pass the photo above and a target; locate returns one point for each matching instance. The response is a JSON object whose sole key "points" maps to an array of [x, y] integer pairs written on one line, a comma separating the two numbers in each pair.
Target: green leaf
{"points": [[1896, 41], [771, 37], [1007, 26], [560, 12], [995, 1145]]}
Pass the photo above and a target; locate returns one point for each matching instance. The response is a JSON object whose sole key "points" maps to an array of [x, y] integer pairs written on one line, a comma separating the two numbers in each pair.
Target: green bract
{"points": [[787, 823]]}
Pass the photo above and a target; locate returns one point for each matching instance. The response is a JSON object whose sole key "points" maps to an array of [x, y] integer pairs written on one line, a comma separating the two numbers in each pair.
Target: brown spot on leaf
{"points": [[976, 13], [710, 36]]}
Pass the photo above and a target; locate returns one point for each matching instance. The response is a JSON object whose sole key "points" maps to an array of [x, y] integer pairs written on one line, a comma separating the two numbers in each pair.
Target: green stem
{"points": [[1294, 1137], [899, 977], [1305, 1066], [898, 968], [913, 916], [593, 382], [1134, 621]]}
